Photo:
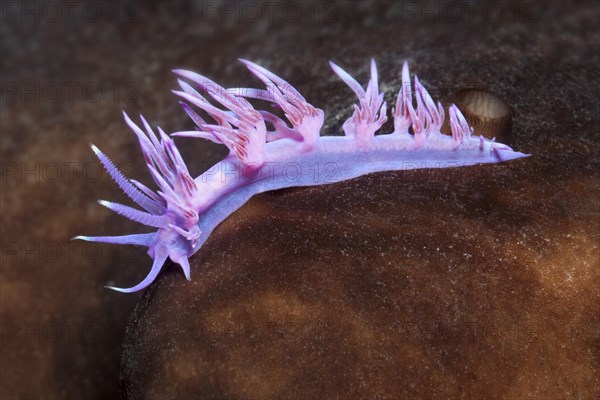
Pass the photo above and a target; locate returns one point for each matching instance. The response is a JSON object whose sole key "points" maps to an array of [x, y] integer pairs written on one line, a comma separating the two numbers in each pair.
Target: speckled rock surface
{"points": [[398, 285], [472, 283], [508, 311]]}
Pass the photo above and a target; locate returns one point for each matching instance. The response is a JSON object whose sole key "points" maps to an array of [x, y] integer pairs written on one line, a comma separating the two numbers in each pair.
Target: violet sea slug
{"points": [[280, 154]]}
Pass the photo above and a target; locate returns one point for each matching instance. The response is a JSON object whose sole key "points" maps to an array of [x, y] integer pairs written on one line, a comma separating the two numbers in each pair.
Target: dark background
{"points": [[69, 68]]}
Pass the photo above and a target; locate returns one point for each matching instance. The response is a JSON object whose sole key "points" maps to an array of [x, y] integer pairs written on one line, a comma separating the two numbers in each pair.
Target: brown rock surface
{"points": [[480, 283], [475, 283]]}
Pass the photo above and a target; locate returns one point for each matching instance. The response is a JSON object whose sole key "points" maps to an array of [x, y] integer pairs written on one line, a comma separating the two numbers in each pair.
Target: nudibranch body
{"points": [[186, 210]]}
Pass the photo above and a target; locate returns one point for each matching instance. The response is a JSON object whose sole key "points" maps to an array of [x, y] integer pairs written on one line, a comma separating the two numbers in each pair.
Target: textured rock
{"points": [[476, 283], [472, 282]]}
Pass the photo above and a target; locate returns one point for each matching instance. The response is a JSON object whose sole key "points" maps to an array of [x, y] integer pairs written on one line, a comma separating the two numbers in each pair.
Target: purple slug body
{"points": [[186, 210]]}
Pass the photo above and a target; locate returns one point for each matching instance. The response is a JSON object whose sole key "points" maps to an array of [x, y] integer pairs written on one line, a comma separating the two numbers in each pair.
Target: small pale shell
{"points": [[487, 113]]}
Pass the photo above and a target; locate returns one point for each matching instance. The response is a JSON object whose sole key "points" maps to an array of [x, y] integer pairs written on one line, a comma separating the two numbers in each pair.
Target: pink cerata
{"points": [[284, 154]]}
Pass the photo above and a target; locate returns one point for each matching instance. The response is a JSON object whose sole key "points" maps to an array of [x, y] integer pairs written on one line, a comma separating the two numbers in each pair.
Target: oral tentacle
{"points": [[159, 259], [140, 239]]}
